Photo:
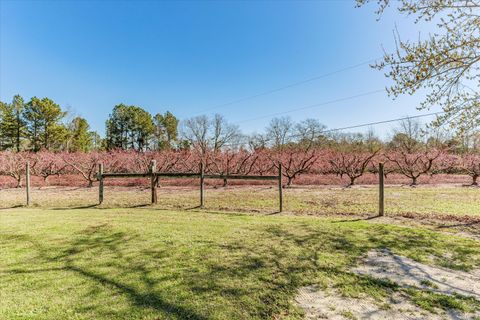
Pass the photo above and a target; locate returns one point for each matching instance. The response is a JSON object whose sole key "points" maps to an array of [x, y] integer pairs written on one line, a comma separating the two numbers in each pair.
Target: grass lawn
{"points": [[147, 263], [422, 201]]}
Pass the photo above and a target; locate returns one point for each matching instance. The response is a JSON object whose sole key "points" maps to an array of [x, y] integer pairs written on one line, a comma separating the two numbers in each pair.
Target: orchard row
{"points": [[295, 162]]}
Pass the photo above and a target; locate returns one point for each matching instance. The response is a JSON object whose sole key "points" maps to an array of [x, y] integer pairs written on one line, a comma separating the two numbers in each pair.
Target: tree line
{"points": [[41, 124], [295, 162], [301, 148]]}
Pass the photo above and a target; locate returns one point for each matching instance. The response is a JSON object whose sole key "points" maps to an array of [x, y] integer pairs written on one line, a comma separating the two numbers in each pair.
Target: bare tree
{"points": [[223, 133], [195, 131], [310, 132], [279, 131], [257, 141], [408, 135], [211, 134]]}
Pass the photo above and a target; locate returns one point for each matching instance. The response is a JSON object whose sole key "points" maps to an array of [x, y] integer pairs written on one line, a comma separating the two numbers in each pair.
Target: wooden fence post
{"points": [[202, 185], [381, 194], [27, 183], [153, 180], [280, 191], [100, 185]]}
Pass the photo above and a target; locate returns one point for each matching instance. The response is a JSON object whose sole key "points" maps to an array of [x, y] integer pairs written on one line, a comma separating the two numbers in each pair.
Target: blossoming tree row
{"points": [[295, 162]]}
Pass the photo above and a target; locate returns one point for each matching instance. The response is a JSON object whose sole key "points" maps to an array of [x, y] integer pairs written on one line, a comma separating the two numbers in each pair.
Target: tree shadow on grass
{"points": [[258, 271], [89, 206], [13, 207], [358, 219], [100, 240], [258, 278]]}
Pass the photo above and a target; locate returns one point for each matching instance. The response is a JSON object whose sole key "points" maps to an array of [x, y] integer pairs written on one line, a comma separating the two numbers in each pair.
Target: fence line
{"points": [[154, 176]]}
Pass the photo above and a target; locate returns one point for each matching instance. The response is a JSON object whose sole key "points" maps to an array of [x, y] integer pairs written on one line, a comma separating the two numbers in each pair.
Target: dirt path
{"points": [[383, 264]]}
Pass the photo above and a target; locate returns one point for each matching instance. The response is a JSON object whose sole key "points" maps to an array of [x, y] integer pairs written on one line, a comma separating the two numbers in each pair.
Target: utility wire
{"points": [[294, 84], [312, 106], [351, 127], [382, 122]]}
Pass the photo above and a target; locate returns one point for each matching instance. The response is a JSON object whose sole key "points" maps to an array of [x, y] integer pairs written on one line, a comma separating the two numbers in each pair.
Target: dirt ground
{"points": [[406, 273]]}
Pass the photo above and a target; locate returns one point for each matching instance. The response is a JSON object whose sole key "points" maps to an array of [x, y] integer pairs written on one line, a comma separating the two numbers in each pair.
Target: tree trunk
{"points": [[352, 181], [90, 183], [414, 182], [225, 183], [18, 135], [475, 178], [289, 181]]}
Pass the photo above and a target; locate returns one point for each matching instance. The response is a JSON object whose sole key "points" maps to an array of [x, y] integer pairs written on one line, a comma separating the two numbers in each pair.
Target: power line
{"points": [[352, 127], [294, 84], [382, 122], [313, 106]]}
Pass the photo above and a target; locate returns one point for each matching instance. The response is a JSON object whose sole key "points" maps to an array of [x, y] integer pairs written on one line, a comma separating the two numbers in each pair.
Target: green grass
{"points": [[431, 301], [421, 201], [156, 264]]}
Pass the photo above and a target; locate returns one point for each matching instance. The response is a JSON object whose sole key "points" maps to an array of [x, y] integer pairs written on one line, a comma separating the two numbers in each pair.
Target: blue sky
{"points": [[187, 57]]}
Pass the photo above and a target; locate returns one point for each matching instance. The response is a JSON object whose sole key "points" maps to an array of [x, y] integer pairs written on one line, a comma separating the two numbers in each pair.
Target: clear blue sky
{"points": [[189, 56]]}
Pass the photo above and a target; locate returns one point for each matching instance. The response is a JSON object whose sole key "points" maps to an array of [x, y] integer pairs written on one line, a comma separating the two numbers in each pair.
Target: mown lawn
{"points": [[147, 263], [320, 200]]}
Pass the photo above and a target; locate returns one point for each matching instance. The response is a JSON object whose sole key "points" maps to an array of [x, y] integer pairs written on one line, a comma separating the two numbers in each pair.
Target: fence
{"points": [[155, 176]]}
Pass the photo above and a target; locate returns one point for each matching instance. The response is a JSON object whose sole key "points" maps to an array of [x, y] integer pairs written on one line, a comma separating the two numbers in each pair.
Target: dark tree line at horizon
{"points": [[41, 124]]}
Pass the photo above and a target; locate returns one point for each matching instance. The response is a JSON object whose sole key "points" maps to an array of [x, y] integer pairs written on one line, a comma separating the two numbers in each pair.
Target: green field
{"points": [[422, 201], [148, 263]]}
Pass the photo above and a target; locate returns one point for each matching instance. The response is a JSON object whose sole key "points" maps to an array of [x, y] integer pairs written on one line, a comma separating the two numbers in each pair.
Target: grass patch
{"points": [[431, 301], [423, 201], [160, 264]]}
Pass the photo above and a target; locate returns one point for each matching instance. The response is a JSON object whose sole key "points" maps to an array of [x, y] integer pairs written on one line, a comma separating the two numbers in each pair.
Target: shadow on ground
{"points": [[258, 271]]}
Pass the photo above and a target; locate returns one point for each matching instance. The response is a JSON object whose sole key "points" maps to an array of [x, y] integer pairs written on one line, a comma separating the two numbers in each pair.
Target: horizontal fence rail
{"points": [[239, 177], [154, 176], [187, 175]]}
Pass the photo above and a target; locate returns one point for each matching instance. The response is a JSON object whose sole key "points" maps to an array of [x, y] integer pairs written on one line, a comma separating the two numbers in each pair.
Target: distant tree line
{"points": [[42, 125], [38, 132]]}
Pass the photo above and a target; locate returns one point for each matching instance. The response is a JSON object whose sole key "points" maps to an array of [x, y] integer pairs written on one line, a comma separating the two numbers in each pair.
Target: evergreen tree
{"points": [[12, 124], [18, 106], [80, 137], [97, 142], [129, 127], [7, 118], [166, 130], [44, 129]]}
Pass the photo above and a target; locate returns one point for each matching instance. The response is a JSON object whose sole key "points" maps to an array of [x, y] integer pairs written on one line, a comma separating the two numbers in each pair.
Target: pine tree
{"points": [[129, 127], [166, 130], [19, 123], [44, 129], [80, 137], [7, 119]]}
